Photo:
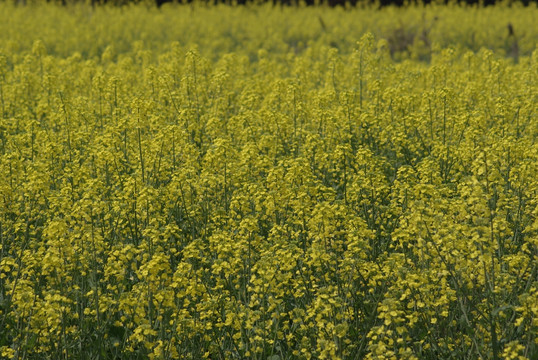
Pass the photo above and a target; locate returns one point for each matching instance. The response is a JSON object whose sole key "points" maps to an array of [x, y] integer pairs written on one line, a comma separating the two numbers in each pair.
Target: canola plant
{"points": [[262, 182]]}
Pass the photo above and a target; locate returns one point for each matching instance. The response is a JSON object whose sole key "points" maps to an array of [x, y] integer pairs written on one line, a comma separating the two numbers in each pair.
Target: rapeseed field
{"points": [[259, 182]]}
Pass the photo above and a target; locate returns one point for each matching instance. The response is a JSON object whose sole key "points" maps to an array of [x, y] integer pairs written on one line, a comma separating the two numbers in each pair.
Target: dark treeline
{"points": [[331, 3]]}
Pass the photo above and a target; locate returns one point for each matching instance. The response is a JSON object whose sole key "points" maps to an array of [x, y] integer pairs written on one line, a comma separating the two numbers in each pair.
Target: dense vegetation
{"points": [[331, 3], [268, 183]]}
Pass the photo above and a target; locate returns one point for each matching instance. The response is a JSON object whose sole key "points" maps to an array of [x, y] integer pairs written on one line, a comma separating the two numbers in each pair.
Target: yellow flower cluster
{"points": [[282, 185]]}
